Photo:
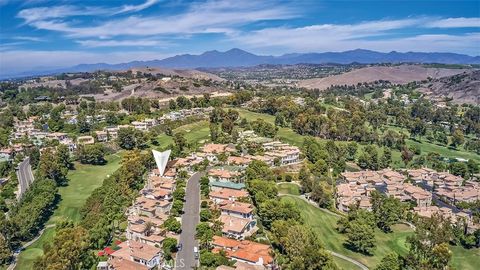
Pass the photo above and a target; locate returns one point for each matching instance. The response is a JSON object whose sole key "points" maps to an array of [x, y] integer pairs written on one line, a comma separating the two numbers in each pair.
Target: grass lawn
{"points": [[465, 259], [82, 181], [195, 133], [288, 188], [29, 255], [324, 224]]}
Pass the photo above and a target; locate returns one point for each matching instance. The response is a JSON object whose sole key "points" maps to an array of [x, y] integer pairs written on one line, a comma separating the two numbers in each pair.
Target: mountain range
{"points": [[237, 58]]}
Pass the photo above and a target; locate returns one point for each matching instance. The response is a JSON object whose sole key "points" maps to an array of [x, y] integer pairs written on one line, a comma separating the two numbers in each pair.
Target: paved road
{"points": [[357, 263], [190, 219], [25, 176]]}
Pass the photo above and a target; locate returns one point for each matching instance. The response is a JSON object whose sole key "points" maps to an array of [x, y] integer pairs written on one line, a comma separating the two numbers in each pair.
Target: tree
{"points": [[390, 262], [386, 158], [126, 138], [301, 247], [173, 225], [428, 246], [457, 138], [459, 168], [64, 157], [407, 155], [273, 209], [91, 154], [320, 168], [5, 251], [169, 246], [351, 150], [322, 194], [387, 210], [417, 128], [359, 228], [369, 158], [205, 215], [258, 169], [360, 237], [214, 132], [180, 141], [51, 167], [204, 234], [213, 260], [66, 251]]}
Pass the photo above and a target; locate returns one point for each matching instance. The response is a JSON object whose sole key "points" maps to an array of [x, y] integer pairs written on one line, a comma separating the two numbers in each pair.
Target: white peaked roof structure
{"points": [[161, 159]]}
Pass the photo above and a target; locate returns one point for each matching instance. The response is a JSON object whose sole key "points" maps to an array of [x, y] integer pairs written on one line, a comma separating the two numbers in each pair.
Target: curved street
{"points": [[190, 218]]}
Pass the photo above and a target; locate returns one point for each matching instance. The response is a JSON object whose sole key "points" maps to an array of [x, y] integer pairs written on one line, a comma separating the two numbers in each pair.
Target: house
{"points": [[85, 140], [212, 150], [122, 264], [139, 232], [142, 254], [418, 195], [150, 207], [236, 227], [238, 161], [237, 209], [226, 194], [150, 123], [6, 153], [140, 125], [112, 132], [59, 136], [222, 175], [244, 252], [102, 136], [216, 185]]}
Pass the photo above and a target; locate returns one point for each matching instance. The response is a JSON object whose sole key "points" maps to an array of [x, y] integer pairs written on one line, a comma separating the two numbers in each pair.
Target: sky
{"points": [[35, 34]]}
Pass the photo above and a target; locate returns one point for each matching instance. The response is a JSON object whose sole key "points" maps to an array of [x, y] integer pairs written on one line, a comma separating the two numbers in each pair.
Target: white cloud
{"points": [[209, 17], [374, 35], [130, 8], [28, 38], [454, 23], [43, 14], [123, 43]]}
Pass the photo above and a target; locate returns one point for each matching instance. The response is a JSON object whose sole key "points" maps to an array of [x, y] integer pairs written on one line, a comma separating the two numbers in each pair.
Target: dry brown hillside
{"points": [[461, 88], [186, 73], [396, 74]]}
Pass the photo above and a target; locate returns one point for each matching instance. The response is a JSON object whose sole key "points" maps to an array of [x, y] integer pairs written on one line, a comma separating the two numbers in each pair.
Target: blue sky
{"points": [[43, 33]]}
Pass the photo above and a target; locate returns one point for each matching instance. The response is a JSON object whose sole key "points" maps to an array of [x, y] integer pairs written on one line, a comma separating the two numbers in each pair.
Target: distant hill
{"points": [[396, 74], [238, 58], [461, 88]]}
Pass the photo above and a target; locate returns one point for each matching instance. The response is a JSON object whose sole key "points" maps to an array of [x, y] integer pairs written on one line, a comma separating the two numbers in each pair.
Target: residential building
{"points": [[226, 194], [222, 175], [102, 136], [245, 252], [139, 253]]}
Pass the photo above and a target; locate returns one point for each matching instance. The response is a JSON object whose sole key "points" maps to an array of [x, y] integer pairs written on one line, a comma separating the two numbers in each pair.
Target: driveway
{"points": [[190, 219]]}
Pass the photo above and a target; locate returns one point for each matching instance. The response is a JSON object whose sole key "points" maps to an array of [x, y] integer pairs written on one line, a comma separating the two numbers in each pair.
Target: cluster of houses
{"points": [[418, 186], [184, 113], [144, 232], [229, 196]]}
